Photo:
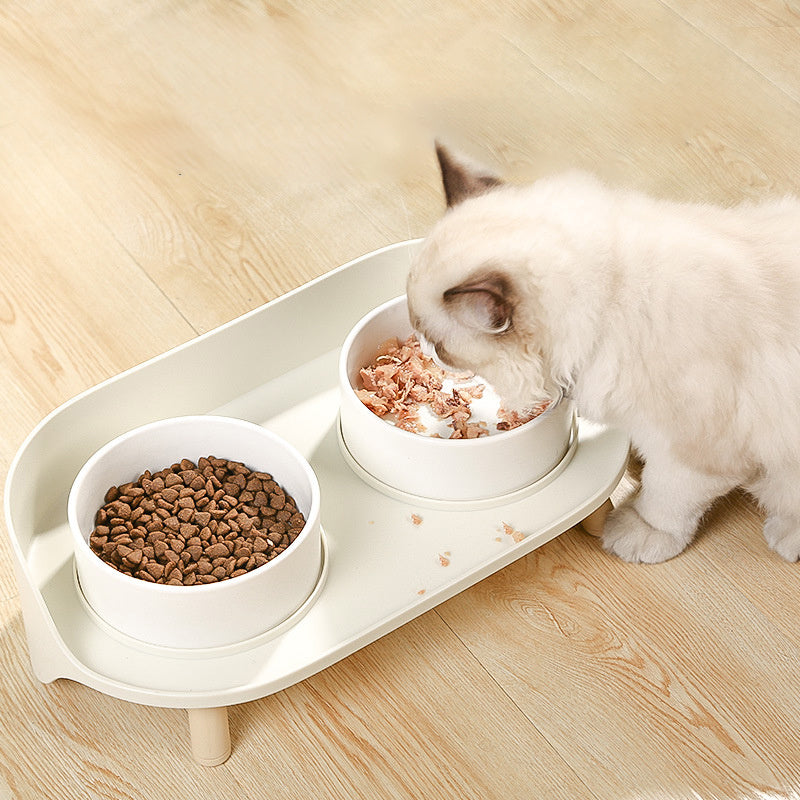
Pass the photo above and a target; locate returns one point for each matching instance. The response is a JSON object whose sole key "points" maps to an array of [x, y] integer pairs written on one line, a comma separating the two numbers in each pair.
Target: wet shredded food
{"points": [[401, 379]]}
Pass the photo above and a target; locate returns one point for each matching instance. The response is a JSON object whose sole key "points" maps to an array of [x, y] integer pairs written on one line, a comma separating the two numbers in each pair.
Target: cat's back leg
{"points": [[778, 492]]}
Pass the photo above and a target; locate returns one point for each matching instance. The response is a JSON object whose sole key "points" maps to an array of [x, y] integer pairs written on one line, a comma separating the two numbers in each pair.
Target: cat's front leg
{"points": [[663, 518]]}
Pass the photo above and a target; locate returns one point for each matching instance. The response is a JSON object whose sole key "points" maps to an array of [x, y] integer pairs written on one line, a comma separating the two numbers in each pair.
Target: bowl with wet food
{"points": [[415, 428]]}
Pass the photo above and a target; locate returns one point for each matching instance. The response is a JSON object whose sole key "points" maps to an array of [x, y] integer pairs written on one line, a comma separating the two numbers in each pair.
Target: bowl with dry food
{"points": [[196, 532], [409, 427]]}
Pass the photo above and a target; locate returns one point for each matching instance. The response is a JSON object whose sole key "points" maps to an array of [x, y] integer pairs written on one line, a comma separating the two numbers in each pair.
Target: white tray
{"points": [[276, 366]]}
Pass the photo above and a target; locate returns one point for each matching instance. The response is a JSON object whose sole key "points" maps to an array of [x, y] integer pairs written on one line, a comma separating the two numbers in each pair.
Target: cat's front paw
{"points": [[628, 536]]}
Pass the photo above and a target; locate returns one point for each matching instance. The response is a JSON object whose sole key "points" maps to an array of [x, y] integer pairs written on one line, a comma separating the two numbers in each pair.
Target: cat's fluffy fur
{"points": [[678, 322]]}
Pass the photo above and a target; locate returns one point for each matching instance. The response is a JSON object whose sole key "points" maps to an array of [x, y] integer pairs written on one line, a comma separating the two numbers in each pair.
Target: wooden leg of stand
{"points": [[594, 523], [211, 738]]}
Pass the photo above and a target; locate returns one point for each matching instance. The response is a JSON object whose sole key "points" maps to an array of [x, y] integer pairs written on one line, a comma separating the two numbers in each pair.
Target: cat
{"points": [[678, 322]]}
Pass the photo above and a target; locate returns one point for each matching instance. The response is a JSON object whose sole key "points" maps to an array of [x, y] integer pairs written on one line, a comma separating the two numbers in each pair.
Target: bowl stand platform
{"points": [[388, 557]]}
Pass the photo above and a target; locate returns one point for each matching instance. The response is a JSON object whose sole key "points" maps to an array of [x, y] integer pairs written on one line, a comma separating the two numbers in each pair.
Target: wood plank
{"points": [[609, 659], [739, 554], [765, 36], [72, 299], [425, 741], [221, 214], [344, 733], [205, 157]]}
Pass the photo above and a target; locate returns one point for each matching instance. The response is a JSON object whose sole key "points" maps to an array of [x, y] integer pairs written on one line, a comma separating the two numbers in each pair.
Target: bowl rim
{"points": [[82, 543], [481, 441]]}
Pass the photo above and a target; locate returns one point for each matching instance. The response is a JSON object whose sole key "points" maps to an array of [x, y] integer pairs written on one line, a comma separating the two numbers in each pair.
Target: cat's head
{"points": [[473, 292]]}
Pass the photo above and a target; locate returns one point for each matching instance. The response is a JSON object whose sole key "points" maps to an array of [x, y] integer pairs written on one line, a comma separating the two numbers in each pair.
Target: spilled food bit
{"points": [[444, 558], [416, 519], [516, 535]]}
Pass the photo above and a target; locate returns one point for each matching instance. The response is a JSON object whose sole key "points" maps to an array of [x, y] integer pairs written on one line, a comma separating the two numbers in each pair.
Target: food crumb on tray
{"points": [[416, 519], [516, 535], [403, 385]]}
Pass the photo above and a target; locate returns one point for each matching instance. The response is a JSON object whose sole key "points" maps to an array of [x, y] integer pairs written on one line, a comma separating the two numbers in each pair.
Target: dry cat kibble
{"points": [[195, 523]]}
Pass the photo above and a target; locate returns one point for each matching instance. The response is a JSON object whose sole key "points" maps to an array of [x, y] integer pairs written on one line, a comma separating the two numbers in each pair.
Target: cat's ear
{"points": [[463, 180], [485, 302]]}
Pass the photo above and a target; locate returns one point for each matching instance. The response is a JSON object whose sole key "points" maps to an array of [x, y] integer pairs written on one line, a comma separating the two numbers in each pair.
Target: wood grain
{"points": [[683, 669], [167, 166]]}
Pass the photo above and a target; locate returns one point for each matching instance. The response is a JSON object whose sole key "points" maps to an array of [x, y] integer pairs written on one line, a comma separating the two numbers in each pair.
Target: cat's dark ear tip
{"points": [[460, 178], [443, 155]]}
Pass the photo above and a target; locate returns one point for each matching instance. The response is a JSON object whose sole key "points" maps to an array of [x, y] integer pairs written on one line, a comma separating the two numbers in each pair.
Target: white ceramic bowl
{"points": [[209, 615], [440, 469]]}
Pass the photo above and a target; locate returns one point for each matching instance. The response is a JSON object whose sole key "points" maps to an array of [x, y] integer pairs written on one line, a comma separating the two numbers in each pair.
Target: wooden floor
{"points": [[166, 166]]}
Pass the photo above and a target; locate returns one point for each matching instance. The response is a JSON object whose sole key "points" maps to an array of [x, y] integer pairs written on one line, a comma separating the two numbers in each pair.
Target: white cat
{"points": [[678, 322]]}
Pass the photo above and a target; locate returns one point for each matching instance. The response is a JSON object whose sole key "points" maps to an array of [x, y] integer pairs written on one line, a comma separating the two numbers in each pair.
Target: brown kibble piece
{"points": [[217, 551], [202, 518], [171, 494], [277, 500], [155, 569], [195, 551]]}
